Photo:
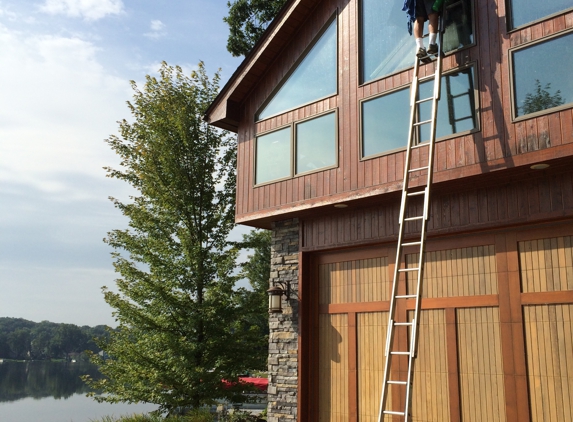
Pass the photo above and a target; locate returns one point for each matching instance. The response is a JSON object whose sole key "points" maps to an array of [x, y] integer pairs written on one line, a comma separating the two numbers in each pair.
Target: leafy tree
{"points": [[541, 99], [19, 342], [257, 270], [182, 327], [70, 339], [247, 21]]}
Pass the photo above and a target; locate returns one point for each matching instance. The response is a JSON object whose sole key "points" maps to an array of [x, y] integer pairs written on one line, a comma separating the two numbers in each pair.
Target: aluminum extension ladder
{"points": [[402, 388]]}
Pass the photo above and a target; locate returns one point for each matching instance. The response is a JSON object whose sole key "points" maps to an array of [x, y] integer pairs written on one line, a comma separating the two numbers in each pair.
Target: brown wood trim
{"points": [[305, 355], [428, 303], [352, 368], [517, 330], [511, 404], [545, 232], [547, 298], [352, 255], [453, 369]]}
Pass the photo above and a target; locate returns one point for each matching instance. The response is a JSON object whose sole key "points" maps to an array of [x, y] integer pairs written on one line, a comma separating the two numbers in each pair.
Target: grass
{"points": [[197, 416]]}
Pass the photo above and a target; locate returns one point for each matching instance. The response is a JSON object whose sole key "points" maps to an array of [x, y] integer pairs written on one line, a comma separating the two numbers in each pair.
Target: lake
{"points": [[53, 392]]}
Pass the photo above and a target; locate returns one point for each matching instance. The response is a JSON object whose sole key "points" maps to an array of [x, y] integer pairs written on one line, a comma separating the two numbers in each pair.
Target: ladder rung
{"points": [[397, 382], [400, 353], [422, 192], [406, 297], [402, 323], [427, 78], [405, 270], [392, 412], [425, 100], [425, 122], [420, 145], [418, 169], [412, 244], [419, 217]]}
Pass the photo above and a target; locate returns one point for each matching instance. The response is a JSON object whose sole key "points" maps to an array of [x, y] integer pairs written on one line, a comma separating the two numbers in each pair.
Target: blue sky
{"points": [[65, 67]]}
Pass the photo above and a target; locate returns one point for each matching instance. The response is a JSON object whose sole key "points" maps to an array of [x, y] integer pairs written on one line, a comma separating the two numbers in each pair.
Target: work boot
{"points": [[421, 53], [433, 49]]}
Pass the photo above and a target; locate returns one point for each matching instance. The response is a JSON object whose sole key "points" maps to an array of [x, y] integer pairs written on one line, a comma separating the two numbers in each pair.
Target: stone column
{"points": [[283, 337]]}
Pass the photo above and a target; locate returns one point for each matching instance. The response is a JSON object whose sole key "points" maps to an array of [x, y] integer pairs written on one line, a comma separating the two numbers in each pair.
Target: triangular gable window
{"points": [[314, 77]]}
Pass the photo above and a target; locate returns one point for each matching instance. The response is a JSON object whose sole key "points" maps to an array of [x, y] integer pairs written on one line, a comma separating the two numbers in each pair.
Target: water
{"points": [[53, 392]]}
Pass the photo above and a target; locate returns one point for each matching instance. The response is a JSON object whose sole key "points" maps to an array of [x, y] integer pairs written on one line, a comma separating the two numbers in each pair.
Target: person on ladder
{"points": [[426, 10], [419, 11]]}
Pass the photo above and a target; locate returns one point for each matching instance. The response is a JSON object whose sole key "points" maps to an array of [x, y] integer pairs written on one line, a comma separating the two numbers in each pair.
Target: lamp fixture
{"points": [[276, 293], [340, 206]]}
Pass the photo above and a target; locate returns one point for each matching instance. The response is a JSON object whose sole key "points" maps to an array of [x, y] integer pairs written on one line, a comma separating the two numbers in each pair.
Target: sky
{"points": [[65, 67]]}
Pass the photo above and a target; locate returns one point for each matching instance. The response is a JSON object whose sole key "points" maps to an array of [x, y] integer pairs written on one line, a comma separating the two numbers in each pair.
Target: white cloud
{"points": [[157, 29], [58, 104], [87, 9]]}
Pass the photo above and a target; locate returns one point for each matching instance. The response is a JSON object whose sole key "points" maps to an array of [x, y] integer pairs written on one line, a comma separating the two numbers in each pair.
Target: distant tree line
{"points": [[23, 339]]}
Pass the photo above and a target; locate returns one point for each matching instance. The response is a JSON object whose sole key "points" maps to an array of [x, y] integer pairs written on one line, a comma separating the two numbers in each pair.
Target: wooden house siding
{"points": [[499, 144]]}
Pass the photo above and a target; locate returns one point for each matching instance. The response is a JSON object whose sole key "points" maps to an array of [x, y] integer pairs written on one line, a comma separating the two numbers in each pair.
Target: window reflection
{"points": [[273, 156], [542, 75], [526, 11], [386, 46], [314, 78], [316, 143], [385, 119]]}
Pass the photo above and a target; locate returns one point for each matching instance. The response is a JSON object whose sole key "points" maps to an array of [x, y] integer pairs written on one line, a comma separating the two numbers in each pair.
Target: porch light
{"points": [[540, 166], [275, 296]]}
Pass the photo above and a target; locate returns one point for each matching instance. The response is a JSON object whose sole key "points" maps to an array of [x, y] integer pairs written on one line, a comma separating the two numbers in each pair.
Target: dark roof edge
{"points": [[248, 57]]}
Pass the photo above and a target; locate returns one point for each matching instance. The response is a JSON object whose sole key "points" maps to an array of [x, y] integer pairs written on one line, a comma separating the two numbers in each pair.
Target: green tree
{"points": [[19, 342], [247, 20], [257, 270], [182, 329], [541, 99]]}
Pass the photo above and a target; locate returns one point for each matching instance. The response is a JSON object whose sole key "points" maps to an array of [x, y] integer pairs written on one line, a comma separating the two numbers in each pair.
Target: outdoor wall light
{"points": [[540, 166], [275, 296]]}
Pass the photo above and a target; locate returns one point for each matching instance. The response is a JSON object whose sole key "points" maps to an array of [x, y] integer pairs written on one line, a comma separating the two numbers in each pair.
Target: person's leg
{"points": [[433, 28], [418, 34]]}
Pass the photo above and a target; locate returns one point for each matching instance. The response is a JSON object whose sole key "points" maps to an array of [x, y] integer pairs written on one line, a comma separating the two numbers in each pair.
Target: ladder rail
{"points": [[400, 265]]}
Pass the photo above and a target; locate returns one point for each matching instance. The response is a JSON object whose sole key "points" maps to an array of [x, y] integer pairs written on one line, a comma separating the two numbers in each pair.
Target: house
{"points": [[321, 109]]}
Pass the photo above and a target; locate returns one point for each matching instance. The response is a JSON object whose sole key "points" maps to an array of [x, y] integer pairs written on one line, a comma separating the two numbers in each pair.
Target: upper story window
{"points": [[386, 46], [542, 75], [314, 77], [523, 12], [385, 119], [302, 147]]}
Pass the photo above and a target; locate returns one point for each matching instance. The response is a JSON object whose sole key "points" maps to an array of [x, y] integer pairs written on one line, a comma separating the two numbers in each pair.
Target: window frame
{"points": [[473, 65], [294, 67], [510, 53], [509, 18], [293, 148], [360, 49]]}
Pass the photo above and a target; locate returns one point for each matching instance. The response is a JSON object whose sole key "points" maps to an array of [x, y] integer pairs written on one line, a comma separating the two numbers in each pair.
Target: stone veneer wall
{"points": [[283, 338]]}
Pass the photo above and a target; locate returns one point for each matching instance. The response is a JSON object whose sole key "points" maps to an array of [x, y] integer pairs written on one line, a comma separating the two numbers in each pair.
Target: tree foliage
{"points": [[183, 328], [247, 20], [541, 99]]}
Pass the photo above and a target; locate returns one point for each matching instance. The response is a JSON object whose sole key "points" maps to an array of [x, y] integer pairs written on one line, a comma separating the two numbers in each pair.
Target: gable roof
{"points": [[224, 112]]}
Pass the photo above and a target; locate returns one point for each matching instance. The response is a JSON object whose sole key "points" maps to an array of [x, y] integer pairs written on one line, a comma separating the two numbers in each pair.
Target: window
{"points": [[315, 77], [386, 119], [315, 146], [316, 143], [523, 12], [542, 75], [273, 155], [386, 46]]}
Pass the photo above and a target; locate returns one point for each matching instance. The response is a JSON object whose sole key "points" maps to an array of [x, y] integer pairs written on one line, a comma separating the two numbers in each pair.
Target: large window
{"points": [[386, 46], [542, 75], [385, 119], [315, 146], [315, 77], [523, 12]]}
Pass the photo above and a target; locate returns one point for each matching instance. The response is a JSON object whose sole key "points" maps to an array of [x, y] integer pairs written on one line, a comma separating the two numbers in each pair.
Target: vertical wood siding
{"points": [[546, 264], [549, 341], [456, 272], [364, 280], [333, 368], [480, 365], [430, 393], [495, 146], [371, 343]]}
